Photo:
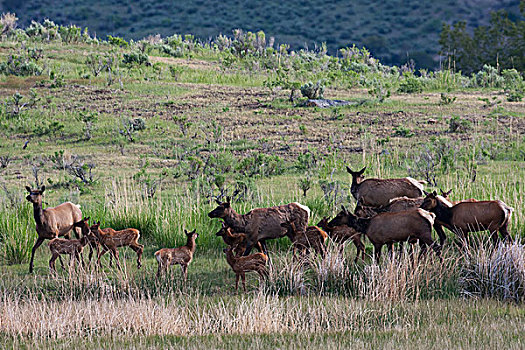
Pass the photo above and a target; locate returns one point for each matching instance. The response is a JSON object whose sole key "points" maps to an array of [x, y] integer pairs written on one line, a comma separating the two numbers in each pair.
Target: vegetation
{"points": [[152, 146]]}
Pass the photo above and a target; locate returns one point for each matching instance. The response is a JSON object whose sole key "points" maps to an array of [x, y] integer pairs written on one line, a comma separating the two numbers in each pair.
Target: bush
{"points": [[456, 124], [410, 84], [20, 66], [313, 91], [488, 77], [136, 57]]}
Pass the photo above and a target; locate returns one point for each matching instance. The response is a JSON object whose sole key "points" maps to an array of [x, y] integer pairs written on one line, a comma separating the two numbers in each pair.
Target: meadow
{"points": [[148, 134]]}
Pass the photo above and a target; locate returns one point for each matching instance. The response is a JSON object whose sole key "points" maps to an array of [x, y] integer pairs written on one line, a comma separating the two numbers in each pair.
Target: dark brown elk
{"points": [[72, 247], [387, 228], [378, 192], [466, 217], [110, 240], [313, 238], [240, 265], [235, 240], [340, 234], [180, 255], [395, 205], [262, 224], [94, 244], [52, 222]]}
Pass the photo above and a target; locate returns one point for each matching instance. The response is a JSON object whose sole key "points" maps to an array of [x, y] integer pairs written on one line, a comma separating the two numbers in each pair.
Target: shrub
{"points": [[136, 57], [117, 41], [410, 84], [20, 66], [456, 124], [488, 77], [313, 91]]}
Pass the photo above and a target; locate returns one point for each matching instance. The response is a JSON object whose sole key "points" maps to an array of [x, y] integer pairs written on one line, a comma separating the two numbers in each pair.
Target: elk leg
{"points": [[184, 269], [377, 252], [61, 262], [504, 232], [248, 248], [441, 234], [159, 269], [390, 247], [39, 241], [114, 252], [237, 282], [52, 262], [102, 252], [243, 278], [139, 248]]}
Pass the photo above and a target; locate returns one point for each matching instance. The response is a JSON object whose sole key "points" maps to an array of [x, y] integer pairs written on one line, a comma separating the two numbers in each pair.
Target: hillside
{"points": [[392, 29]]}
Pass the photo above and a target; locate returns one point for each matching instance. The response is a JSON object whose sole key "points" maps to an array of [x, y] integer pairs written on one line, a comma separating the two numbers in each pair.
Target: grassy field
{"points": [[152, 146]]}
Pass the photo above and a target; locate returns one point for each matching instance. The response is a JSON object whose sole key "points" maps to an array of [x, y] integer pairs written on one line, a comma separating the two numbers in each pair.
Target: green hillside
{"points": [[392, 29]]}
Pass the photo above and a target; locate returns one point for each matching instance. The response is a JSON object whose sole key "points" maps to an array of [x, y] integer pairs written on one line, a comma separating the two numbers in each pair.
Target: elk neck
{"points": [[38, 213], [235, 221]]}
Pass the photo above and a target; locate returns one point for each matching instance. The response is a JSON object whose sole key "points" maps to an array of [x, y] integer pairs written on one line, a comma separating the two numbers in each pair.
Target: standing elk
{"points": [[52, 222], [235, 240], [340, 234], [466, 217], [240, 265], [180, 255], [263, 223], [387, 228], [72, 247], [378, 192], [110, 240]]}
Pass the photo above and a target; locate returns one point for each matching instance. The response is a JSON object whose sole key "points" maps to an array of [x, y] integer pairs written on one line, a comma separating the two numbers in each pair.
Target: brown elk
{"points": [[94, 244], [340, 234], [235, 240], [110, 240], [240, 265], [263, 223], [466, 217], [180, 255], [72, 247], [378, 192], [386, 228], [52, 222], [447, 194], [313, 238]]}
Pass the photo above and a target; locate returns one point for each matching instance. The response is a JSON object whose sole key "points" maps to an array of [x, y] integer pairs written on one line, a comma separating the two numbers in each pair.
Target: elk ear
{"points": [[448, 193], [434, 193], [344, 209], [360, 172], [42, 189], [86, 219], [228, 199], [226, 204], [349, 170], [425, 193], [185, 232], [28, 189], [194, 231], [218, 201]]}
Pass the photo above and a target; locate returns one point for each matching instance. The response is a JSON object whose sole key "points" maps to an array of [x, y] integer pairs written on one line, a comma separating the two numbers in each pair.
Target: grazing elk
{"points": [[378, 192], [72, 247], [235, 240], [465, 217], [313, 238], [387, 228], [263, 223], [52, 222], [240, 265], [110, 240], [180, 255], [340, 234]]}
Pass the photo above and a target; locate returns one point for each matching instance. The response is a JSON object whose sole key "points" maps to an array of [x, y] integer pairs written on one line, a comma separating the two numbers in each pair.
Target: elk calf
{"points": [[181, 255], [340, 234], [314, 238], [386, 228], [71, 247], [110, 240], [235, 240], [240, 265]]}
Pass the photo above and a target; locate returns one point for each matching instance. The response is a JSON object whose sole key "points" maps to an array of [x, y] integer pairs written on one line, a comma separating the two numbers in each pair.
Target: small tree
{"points": [[88, 119]]}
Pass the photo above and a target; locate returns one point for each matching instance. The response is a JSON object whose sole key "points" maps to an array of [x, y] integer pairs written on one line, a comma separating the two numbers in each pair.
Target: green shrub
{"points": [[20, 66], [313, 91], [136, 57], [117, 41], [456, 124], [410, 84]]}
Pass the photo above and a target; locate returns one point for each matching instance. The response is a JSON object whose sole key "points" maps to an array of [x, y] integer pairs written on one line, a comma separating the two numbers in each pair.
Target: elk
{"points": [[235, 240], [387, 228], [72, 247], [313, 238], [110, 240], [394, 205], [180, 255], [263, 223], [93, 241], [465, 217], [240, 265], [340, 234], [378, 192], [52, 222]]}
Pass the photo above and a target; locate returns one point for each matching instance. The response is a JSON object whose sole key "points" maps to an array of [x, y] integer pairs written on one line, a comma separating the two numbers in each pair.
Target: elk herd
{"points": [[388, 211]]}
